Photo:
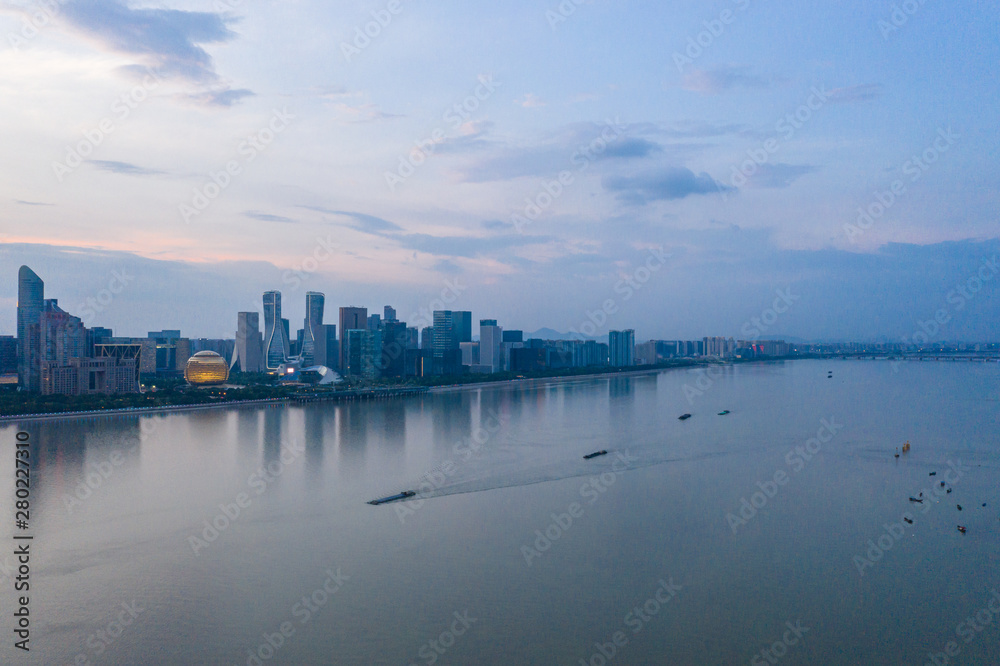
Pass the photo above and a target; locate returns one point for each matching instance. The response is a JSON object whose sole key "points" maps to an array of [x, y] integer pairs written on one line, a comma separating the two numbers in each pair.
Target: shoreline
{"points": [[408, 391]]}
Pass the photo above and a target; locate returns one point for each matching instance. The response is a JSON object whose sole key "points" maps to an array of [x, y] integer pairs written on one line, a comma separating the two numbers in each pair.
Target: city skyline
{"points": [[782, 304], [843, 155]]}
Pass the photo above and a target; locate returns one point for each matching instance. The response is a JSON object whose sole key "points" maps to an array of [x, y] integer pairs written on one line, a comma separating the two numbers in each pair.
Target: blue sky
{"points": [[118, 116]]}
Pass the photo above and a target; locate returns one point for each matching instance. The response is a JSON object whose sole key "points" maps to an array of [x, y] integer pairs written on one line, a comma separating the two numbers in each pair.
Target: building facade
{"points": [[276, 344]]}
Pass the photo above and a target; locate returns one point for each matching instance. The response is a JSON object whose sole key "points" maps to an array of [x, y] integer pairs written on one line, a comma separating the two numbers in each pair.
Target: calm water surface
{"points": [[516, 550]]}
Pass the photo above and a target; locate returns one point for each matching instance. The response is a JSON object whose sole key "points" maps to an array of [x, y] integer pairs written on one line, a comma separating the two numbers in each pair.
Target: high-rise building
{"points": [[389, 313], [621, 348], [412, 338], [8, 354], [392, 361], [276, 345], [327, 348], [247, 353], [30, 297], [62, 336], [490, 339], [513, 336], [351, 319], [447, 346], [315, 303], [470, 353], [363, 350], [427, 338], [374, 322], [462, 325]]}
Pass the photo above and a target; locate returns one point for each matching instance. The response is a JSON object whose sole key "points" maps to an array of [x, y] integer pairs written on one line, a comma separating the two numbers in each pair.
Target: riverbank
{"points": [[468, 383]]}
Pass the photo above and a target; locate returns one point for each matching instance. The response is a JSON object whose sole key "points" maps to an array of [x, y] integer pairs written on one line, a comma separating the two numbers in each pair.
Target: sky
{"points": [[674, 167]]}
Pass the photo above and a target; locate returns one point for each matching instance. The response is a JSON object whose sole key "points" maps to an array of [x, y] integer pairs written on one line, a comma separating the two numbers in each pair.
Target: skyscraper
{"points": [[621, 348], [389, 313], [275, 334], [447, 342], [247, 351], [489, 344], [392, 362], [351, 319], [463, 325], [314, 317], [30, 296]]}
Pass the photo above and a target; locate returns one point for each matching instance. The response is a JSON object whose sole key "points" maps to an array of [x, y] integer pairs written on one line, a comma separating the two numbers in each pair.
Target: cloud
{"points": [[360, 221], [464, 246], [665, 184], [722, 78], [530, 101], [630, 147], [266, 217], [31, 203], [168, 40], [778, 175], [855, 94], [225, 97], [555, 152], [361, 113], [126, 168]]}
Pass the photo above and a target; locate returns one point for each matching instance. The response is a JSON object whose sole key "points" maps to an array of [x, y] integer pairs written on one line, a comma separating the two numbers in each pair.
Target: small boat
{"points": [[602, 452], [723, 412], [906, 447], [684, 417], [961, 528], [907, 520], [393, 498], [918, 501], [932, 474], [959, 506]]}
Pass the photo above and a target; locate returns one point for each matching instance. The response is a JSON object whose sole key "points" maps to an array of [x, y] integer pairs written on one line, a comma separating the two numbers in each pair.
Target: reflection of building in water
{"points": [[352, 433], [314, 425], [272, 433], [451, 417], [248, 429]]}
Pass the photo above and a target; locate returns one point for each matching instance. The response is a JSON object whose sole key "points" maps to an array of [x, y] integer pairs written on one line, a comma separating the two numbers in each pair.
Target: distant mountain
{"points": [[551, 334]]}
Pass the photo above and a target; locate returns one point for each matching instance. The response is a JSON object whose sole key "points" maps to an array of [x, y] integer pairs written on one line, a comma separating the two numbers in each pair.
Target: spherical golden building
{"points": [[206, 368]]}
